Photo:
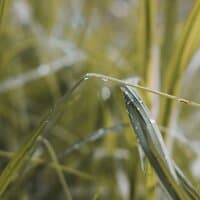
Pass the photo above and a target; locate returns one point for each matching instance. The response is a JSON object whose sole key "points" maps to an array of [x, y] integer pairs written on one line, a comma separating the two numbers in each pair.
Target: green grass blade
{"points": [[97, 195], [169, 33], [15, 164], [52, 165], [100, 133], [185, 47], [140, 87], [2, 8], [61, 176], [146, 38], [192, 193], [153, 146]]}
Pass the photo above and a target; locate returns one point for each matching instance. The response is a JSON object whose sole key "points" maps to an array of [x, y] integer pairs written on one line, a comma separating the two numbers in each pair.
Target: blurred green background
{"points": [[46, 46]]}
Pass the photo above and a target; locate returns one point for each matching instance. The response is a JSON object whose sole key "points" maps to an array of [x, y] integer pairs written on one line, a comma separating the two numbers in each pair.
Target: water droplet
{"points": [[105, 79], [141, 101], [126, 93], [128, 102], [152, 121], [43, 70], [76, 146], [86, 78], [105, 93]]}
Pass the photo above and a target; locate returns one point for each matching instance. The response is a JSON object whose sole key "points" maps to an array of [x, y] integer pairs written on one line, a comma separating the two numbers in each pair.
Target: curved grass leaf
{"points": [[153, 146], [186, 45]]}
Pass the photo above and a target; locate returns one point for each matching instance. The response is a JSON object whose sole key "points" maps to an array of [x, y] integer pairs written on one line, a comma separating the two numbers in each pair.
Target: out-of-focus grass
{"points": [[47, 46]]}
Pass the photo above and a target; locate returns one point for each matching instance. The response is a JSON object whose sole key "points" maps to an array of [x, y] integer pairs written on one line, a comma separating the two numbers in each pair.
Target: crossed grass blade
{"points": [[17, 162], [149, 136], [24, 153]]}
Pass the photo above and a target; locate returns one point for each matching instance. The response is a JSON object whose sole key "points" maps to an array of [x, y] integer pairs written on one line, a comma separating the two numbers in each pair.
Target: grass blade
{"points": [[167, 45], [61, 176], [185, 47], [14, 166], [100, 133], [153, 146], [52, 165], [122, 82], [2, 8], [146, 38]]}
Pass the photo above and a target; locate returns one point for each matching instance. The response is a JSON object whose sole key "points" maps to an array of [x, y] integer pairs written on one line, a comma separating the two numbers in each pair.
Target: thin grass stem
{"points": [[121, 82], [59, 171]]}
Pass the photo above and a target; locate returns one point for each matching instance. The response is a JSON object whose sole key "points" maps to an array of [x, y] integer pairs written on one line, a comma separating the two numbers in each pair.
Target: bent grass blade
{"points": [[156, 92], [149, 136]]}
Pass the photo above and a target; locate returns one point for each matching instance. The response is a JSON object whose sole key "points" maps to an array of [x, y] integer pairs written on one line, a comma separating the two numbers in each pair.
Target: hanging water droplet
{"points": [[43, 70], [86, 78]]}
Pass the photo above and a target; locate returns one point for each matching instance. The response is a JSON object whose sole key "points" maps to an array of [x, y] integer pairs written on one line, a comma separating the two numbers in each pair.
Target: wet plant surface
{"points": [[99, 99]]}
